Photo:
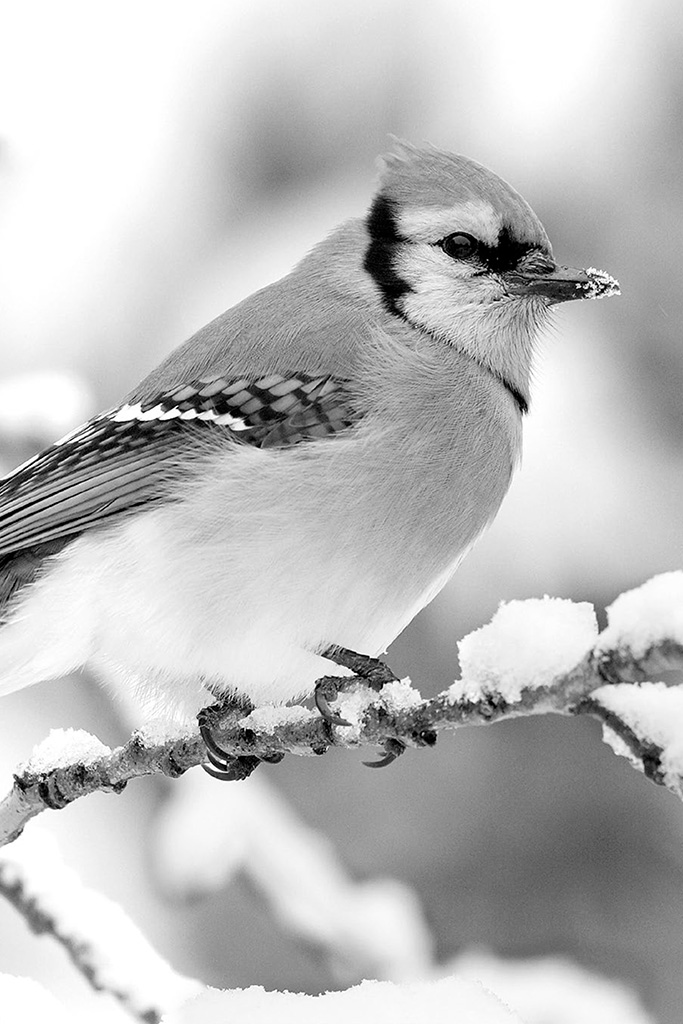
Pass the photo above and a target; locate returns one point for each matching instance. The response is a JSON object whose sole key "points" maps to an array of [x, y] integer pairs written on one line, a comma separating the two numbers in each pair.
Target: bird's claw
{"points": [[326, 691], [213, 749], [235, 770], [392, 750], [221, 764]]}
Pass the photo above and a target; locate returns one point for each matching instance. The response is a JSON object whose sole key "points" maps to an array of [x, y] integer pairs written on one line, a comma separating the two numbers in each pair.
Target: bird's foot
{"points": [[327, 689], [221, 763], [372, 671]]}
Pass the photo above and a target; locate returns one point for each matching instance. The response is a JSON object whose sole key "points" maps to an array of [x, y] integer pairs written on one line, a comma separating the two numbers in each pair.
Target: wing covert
{"points": [[119, 461]]}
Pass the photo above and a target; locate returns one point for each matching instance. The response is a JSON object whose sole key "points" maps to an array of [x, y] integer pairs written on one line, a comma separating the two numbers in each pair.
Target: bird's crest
{"points": [[424, 177]]}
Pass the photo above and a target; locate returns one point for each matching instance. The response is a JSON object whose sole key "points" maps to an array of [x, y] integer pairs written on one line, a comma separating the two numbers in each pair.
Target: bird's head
{"points": [[457, 252]]}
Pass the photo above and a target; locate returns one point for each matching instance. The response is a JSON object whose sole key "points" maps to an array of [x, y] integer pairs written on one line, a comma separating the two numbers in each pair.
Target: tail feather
{"points": [[31, 620], [20, 568]]}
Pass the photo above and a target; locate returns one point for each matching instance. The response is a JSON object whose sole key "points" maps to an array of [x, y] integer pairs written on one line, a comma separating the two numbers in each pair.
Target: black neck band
{"points": [[520, 400]]}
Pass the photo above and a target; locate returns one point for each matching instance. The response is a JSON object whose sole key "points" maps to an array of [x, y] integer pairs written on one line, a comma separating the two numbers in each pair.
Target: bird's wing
{"points": [[122, 459]]}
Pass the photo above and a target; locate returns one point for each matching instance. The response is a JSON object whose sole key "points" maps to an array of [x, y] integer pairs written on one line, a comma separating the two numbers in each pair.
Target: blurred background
{"points": [[159, 161]]}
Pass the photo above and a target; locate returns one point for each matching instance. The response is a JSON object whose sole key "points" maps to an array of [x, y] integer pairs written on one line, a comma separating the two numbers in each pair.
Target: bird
{"points": [[289, 488]]}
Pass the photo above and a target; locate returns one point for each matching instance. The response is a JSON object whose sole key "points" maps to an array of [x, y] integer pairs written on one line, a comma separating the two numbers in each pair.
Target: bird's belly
{"points": [[242, 581], [246, 600]]}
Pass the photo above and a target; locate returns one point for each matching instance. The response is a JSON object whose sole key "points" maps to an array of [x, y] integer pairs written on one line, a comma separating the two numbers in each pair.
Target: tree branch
{"points": [[34, 791], [396, 715], [103, 943]]}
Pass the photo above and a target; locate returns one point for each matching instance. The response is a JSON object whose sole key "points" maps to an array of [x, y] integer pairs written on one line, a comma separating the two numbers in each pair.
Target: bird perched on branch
{"points": [[301, 477]]}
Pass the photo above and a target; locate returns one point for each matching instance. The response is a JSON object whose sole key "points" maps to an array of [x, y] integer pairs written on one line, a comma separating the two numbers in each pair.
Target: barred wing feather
{"points": [[120, 461]]}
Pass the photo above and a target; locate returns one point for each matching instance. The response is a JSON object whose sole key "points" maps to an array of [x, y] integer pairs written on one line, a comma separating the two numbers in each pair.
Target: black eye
{"points": [[459, 246]]}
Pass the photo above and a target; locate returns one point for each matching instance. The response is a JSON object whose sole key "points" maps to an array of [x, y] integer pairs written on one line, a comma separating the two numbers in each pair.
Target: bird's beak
{"points": [[563, 283]]}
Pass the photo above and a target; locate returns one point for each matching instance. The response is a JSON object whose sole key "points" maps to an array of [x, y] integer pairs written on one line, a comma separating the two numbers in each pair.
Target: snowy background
{"points": [[158, 161]]}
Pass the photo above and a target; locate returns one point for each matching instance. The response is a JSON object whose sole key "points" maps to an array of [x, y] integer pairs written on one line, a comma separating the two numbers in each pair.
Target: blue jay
{"points": [[295, 482]]}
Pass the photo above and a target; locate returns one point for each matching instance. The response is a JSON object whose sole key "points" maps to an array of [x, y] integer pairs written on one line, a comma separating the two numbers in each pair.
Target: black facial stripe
{"points": [[505, 254], [379, 258]]}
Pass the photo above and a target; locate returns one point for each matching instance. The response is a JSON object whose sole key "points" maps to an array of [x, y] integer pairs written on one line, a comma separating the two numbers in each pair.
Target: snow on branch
{"points": [[535, 657], [104, 944]]}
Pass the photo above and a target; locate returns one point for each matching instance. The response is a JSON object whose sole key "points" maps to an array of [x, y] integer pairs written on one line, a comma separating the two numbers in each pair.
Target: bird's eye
{"points": [[459, 246]]}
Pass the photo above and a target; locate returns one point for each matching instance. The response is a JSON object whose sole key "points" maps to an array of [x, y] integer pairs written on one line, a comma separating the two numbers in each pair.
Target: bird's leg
{"points": [[373, 672], [221, 764]]}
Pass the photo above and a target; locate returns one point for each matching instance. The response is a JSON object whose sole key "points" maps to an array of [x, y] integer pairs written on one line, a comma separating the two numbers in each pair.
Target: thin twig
{"points": [[103, 943]]}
